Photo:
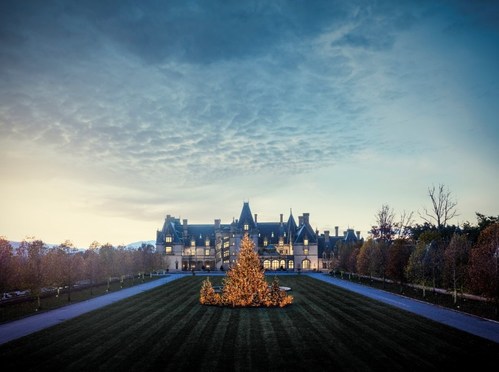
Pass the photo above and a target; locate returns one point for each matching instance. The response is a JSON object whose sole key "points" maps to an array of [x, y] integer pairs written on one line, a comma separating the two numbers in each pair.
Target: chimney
{"points": [[358, 234], [217, 223], [305, 218], [281, 218], [326, 235], [336, 231], [256, 219]]}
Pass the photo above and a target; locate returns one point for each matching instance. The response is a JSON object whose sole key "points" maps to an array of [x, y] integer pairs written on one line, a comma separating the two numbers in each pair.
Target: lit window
{"points": [[206, 252], [272, 234], [305, 251], [305, 241], [281, 241], [246, 227], [168, 250], [168, 239], [207, 242], [291, 265], [265, 242], [193, 243]]}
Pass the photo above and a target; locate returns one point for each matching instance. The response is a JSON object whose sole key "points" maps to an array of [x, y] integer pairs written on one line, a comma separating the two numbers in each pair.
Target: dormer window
{"points": [[207, 242], [281, 241], [272, 234], [305, 241], [193, 243], [265, 242], [168, 239], [246, 227]]}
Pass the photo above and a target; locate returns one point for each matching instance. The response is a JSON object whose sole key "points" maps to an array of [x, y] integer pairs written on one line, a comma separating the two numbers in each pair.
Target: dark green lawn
{"points": [[326, 328]]}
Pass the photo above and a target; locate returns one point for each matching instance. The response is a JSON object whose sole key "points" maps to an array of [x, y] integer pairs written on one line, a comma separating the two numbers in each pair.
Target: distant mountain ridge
{"points": [[139, 243]]}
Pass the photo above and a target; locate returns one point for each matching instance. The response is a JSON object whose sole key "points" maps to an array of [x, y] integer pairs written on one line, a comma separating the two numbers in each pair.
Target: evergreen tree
{"points": [[245, 284]]}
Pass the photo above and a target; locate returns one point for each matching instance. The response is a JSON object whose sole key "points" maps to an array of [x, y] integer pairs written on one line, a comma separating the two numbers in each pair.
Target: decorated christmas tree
{"points": [[245, 284]]}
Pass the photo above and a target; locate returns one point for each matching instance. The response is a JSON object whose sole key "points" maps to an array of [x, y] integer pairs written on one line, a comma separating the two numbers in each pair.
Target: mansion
{"points": [[282, 245]]}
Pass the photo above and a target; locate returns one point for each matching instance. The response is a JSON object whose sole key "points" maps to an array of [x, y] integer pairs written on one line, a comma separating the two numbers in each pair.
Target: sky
{"points": [[114, 114]]}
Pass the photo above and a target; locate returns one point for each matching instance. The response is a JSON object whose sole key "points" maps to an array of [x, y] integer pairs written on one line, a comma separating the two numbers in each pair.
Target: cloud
{"points": [[166, 97]]}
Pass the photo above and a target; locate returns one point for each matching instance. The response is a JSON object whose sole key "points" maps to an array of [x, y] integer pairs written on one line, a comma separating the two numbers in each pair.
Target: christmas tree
{"points": [[245, 284]]}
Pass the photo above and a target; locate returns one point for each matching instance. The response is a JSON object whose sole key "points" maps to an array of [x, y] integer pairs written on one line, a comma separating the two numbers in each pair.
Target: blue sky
{"points": [[114, 114]]}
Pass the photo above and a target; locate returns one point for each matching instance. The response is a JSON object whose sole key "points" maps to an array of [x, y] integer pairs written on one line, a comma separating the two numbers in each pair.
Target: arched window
{"points": [[306, 264], [266, 264], [275, 264]]}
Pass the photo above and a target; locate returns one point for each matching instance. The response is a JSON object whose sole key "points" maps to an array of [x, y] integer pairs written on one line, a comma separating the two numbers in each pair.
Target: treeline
{"points": [[36, 267], [460, 259]]}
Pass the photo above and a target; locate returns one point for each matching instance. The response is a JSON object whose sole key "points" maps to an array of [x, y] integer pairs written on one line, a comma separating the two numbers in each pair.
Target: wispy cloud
{"points": [[167, 97]]}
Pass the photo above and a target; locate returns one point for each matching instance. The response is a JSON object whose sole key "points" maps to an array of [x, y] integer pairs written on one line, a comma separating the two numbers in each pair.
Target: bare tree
{"points": [[443, 206], [384, 230], [403, 227]]}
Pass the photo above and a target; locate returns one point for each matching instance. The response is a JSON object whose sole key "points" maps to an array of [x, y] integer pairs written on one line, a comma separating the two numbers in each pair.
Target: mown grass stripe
{"points": [[324, 329], [372, 331]]}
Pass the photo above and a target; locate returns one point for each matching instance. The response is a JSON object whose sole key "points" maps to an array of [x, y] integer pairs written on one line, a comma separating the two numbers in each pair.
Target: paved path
{"points": [[481, 327], [22, 327], [485, 328]]}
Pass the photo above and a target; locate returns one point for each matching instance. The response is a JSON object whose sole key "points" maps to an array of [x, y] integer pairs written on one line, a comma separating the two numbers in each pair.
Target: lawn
{"points": [[326, 328], [27, 307]]}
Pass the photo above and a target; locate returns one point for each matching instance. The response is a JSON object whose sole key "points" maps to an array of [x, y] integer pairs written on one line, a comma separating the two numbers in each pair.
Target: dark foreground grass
{"points": [[325, 329]]}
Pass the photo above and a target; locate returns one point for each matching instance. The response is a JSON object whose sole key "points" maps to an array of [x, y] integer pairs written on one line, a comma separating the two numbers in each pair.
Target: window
{"points": [[281, 241], [305, 241], [275, 264], [305, 264], [168, 250], [207, 242], [168, 239], [266, 264], [206, 252], [193, 243], [246, 227], [265, 242], [291, 265], [305, 251]]}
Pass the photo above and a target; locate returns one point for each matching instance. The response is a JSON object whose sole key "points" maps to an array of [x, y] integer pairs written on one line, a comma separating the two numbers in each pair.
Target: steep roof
{"points": [[200, 232], [172, 228], [305, 230], [290, 228], [270, 230], [246, 217]]}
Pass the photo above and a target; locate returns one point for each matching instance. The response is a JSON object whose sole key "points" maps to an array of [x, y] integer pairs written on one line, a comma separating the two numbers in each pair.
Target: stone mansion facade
{"points": [[282, 245]]}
